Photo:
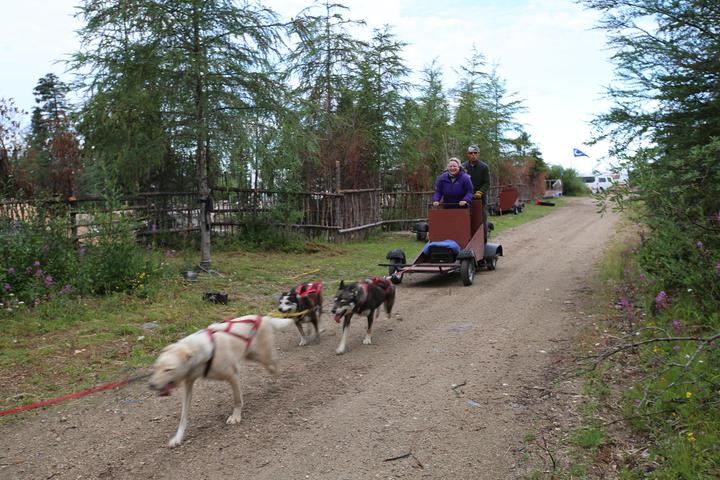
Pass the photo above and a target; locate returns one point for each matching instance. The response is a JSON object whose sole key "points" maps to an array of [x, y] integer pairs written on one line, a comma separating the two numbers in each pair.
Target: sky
{"points": [[547, 51]]}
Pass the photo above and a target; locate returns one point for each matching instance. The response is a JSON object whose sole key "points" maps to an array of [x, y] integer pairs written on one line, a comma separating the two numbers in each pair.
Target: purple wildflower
{"points": [[49, 281], [661, 300], [643, 278], [36, 263], [29, 270], [66, 290], [627, 306], [81, 251], [700, 245], [676, 348], [11, 270], [7, 287], [38, 273], [153, 228], [677, 326]]}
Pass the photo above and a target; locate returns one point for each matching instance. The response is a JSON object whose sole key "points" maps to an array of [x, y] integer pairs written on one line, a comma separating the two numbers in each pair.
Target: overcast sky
{"points": [[546, 51]]}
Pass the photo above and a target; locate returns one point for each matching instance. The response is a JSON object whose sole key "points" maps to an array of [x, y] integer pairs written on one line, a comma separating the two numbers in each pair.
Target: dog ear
{"points": [[342, 285]]}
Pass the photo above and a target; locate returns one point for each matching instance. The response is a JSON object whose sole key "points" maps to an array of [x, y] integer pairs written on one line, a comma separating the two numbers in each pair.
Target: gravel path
{"points": [[346, 417]]}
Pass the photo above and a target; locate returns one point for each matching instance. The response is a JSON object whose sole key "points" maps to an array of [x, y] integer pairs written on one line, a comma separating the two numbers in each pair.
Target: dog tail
{"points": [[279, 323]]}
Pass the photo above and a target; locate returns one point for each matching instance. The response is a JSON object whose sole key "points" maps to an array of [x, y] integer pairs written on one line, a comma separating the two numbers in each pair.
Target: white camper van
{"points": [[598, 183]]}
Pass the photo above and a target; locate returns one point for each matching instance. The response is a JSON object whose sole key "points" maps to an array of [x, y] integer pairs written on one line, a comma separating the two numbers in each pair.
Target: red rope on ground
{"points": [[72, 396]]}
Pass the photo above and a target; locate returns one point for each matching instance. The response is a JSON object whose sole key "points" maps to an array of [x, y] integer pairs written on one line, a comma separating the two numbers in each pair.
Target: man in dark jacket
{"points": [[479, 172], [480, 175]]}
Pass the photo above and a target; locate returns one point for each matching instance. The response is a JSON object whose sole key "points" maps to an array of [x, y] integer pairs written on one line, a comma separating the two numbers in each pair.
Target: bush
{"points": [[273, 232], [41, 260]]}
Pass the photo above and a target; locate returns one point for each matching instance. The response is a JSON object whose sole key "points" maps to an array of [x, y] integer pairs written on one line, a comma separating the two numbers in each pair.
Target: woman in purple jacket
{"points": [[453, 186]]}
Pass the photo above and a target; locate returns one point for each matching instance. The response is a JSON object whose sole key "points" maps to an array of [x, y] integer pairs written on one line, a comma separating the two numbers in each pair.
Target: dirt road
{"points": [[345, 417]]}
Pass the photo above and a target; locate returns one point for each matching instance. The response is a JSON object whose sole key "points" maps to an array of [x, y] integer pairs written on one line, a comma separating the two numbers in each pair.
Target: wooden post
{"points": [[339, 200]]}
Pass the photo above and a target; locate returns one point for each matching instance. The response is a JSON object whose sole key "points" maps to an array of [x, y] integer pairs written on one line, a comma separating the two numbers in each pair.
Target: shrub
{"points": [[41, 260]]}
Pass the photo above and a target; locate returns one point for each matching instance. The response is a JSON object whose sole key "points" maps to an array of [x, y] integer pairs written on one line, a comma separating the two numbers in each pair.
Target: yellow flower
{"points": [[688, 394], [691, 437]]}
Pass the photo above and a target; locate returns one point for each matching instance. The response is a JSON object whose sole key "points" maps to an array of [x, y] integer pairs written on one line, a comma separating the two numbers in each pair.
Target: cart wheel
{"points": [[394, 268], [467, 271], [491, 262]]}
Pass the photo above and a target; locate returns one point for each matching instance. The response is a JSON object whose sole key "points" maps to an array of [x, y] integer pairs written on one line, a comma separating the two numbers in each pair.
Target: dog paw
{"points": [[367, 341], [233, 419], [340, 351], [302, 342], [174, 442]]}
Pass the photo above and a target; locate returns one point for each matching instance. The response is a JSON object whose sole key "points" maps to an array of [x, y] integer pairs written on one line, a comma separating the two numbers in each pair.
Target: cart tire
{"points": [[396, 279], [467, 271], [394, 268], [491, 262]]}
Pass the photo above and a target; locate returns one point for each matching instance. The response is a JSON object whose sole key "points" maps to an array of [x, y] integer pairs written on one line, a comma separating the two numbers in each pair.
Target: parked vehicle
{"points": [[457, 244], [598, 183]]}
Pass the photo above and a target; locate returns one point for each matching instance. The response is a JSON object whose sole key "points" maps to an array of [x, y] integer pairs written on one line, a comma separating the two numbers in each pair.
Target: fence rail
{"points": [[331, 215]]}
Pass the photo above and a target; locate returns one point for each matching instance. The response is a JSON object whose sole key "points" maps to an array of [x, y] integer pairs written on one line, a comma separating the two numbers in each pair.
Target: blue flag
{"points": [[579, 153]]}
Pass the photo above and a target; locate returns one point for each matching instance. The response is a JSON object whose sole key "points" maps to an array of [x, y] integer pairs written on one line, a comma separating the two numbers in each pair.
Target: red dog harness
{"points": [[379, 282], [230, 324], [307, 288]]}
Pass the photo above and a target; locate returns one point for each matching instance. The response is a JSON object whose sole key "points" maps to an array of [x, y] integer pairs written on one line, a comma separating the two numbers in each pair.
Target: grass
{"points": [[70, 344], [672, 432]]}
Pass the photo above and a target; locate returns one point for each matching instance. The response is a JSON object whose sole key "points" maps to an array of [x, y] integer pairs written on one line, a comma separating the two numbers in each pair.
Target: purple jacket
{"points": [[453, 192]]}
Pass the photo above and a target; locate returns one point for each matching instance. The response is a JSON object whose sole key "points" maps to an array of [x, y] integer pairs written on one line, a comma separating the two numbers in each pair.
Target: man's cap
{"points": [[473, 148]]}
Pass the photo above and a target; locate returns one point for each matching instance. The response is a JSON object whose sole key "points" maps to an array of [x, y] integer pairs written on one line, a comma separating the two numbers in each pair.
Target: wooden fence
{"points": [[330, 215]]}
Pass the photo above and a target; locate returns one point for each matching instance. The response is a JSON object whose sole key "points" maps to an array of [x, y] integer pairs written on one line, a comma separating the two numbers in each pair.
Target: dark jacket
{"points": [[480, 176], [453, 191]]}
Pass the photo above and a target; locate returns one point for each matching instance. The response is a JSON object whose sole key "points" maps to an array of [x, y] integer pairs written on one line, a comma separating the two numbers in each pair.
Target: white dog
{"points": [[216, 353]]}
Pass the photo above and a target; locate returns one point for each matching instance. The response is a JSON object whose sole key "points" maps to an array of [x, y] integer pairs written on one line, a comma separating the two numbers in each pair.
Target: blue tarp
{"points": [[451, 244]]}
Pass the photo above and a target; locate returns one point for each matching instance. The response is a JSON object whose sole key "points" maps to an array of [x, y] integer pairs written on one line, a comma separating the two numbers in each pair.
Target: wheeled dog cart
{"points": [[457, 243]]}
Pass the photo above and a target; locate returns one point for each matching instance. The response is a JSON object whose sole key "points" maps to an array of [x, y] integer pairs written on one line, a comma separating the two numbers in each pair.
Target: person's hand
{"points": [[463, 203], [478, 195], [435, 204]]}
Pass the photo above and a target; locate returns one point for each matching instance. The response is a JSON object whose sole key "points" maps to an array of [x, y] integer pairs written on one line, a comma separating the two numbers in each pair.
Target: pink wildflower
{"points": [[661, 300], [677, 326]]}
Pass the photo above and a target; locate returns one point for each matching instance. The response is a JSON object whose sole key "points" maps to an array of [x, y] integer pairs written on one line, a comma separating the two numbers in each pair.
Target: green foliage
{"points": [[588, 437], [41, 261], [674, 400], [113, 261], [667, 106], [572, 183], [268, 232]]}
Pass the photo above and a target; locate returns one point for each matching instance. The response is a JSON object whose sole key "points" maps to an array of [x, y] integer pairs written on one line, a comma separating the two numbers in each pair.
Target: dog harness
{"points": [[228, 329], [307, 288], [379, 282]]}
